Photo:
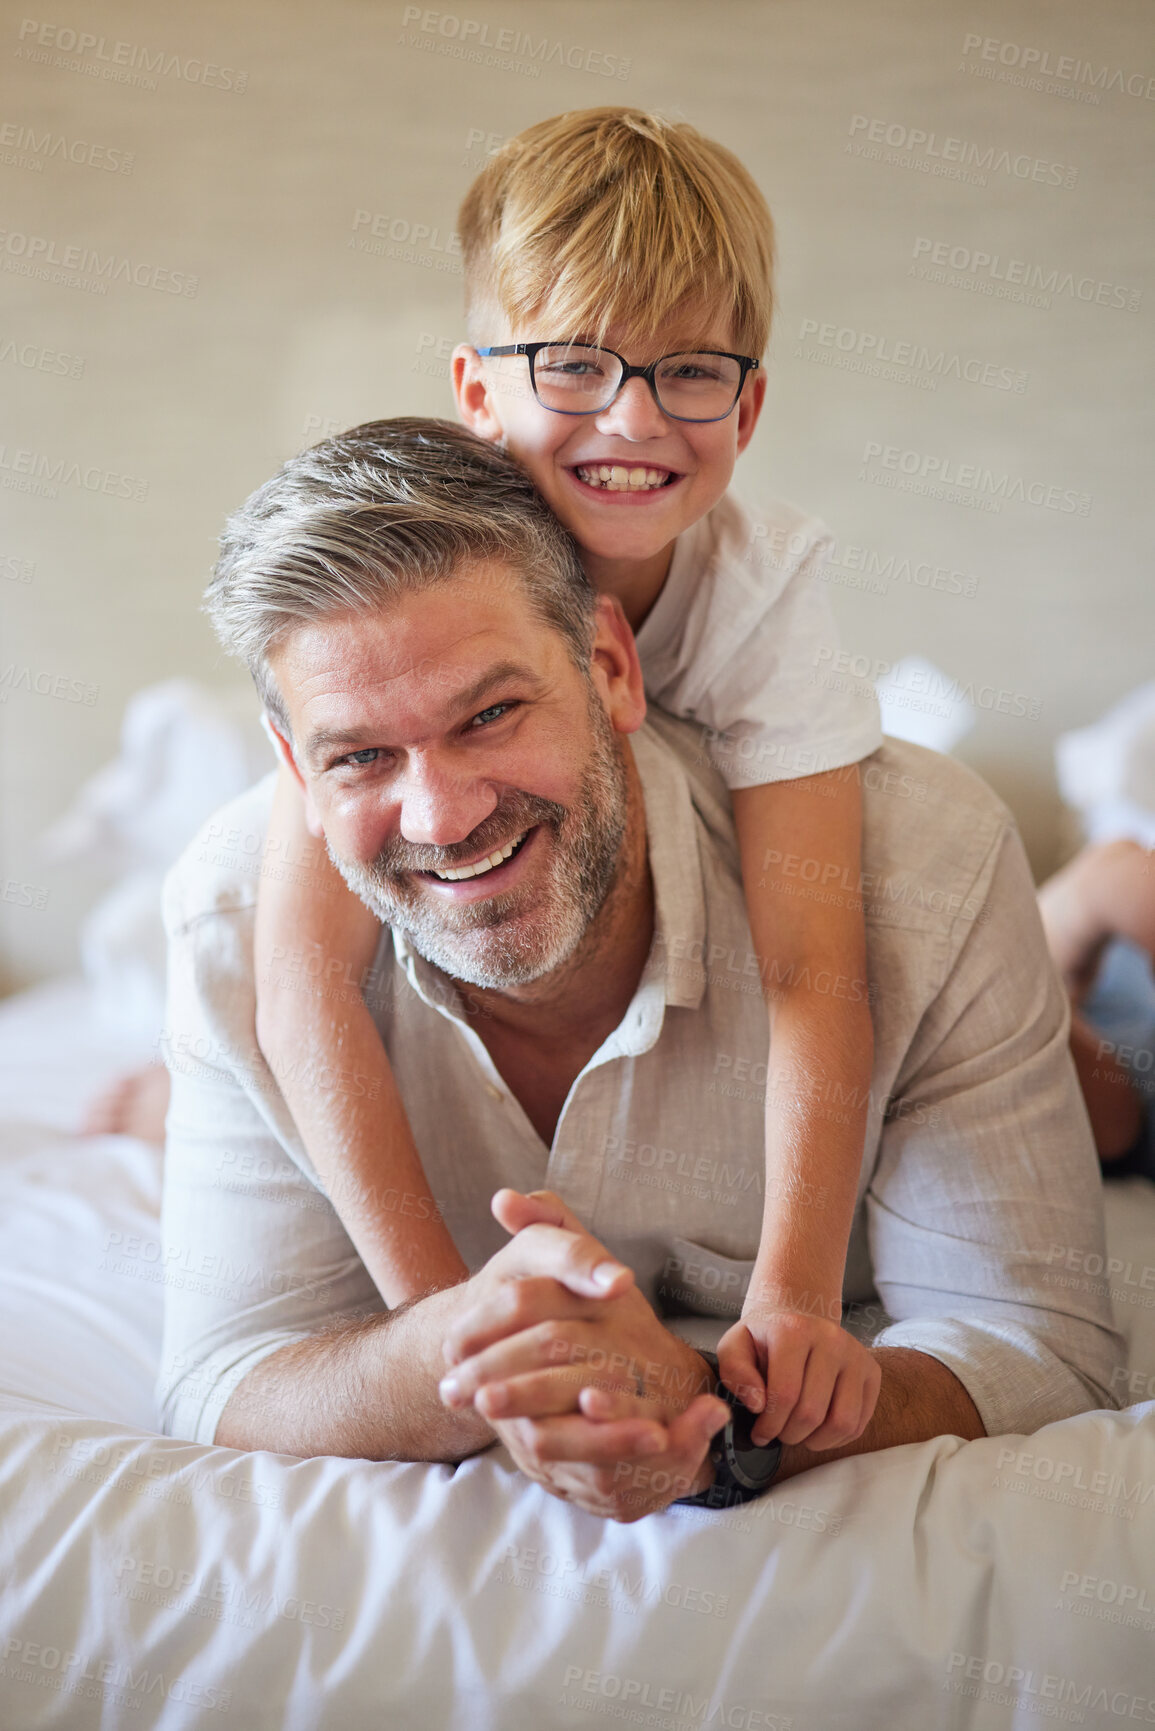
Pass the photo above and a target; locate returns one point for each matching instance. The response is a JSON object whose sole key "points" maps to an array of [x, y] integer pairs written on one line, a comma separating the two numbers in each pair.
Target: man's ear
{"points": [[284, 751], [615, 668], [750, 407], [476, 405]]}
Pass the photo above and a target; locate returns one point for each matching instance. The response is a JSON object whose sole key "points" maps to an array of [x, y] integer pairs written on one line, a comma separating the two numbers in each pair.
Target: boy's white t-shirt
{"points": [[742, 640]]}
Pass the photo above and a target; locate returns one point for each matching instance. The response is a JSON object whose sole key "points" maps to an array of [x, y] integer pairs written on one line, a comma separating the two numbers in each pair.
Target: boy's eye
{"points": [[692, 371], [570, 369]]}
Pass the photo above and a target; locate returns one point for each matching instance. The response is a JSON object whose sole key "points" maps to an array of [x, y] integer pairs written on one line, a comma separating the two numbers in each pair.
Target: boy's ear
{"points": [[284, 751], [750, 407], [615, 668], [476, 405]]}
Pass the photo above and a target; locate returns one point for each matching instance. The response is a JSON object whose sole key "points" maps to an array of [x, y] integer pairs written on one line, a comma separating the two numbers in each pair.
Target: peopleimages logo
{"points": [[36, 358], [119, 62], [880, 355], [505, 49], [949, 157], [41, 473], [1043, 1692], [644, 1702], [58, 685], [1015, 278], [1038, 63], [93, 1676], [1107, 1591], [35, 254], [24, 147], [964, 482], [1047, 1469]]}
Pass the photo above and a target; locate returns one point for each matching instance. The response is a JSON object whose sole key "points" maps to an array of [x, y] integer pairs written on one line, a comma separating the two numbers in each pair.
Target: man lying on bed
{"points": [[628, 1079]]}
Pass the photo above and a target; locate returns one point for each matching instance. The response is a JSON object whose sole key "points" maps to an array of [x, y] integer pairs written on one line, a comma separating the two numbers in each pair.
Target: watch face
{"points": [[752, 1464]]}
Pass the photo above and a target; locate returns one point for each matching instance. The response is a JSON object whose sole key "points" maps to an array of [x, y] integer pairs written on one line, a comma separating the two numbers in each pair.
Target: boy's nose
{"points": [[634, 414]]}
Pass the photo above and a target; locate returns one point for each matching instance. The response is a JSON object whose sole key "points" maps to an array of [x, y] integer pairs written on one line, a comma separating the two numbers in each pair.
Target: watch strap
{"points": [[731, 1484]]}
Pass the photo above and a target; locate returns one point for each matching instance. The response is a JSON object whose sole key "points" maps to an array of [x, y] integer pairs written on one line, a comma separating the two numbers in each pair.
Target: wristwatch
{"points": [[743, 1469]]}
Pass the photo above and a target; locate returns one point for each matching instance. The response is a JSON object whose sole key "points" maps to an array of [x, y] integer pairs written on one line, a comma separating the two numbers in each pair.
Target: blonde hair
{"points": [[615, 217]]}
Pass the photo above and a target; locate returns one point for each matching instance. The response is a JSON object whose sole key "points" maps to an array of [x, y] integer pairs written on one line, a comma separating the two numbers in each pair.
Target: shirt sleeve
{"points": [[253, 1253], [986, 1194]]}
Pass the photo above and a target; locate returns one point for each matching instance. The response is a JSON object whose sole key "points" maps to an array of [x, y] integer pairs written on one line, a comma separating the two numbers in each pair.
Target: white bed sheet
{"points": [[148, 1582]]}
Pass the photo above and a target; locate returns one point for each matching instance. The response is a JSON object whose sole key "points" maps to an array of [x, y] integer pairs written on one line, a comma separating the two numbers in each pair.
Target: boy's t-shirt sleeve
{"points": [[742, 641]]}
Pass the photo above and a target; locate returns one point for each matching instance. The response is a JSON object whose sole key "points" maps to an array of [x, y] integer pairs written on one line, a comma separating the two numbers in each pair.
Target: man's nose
{"points": [[441, 806], [634, 414]]}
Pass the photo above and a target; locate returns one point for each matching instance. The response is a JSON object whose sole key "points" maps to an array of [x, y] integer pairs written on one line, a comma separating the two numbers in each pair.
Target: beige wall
{"points": [[248, 197]]}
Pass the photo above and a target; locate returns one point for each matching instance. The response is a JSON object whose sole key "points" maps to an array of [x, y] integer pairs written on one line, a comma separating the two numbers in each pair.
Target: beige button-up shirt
{"points": [[978, 1182]]}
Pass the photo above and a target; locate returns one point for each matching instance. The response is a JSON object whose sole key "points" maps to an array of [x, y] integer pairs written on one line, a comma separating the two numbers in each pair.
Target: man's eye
{"points": [[493, 713], [367, 754]]}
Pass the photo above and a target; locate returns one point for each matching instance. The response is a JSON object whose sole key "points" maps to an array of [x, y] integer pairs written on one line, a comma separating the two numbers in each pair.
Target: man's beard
{"points": [[492, 943]]}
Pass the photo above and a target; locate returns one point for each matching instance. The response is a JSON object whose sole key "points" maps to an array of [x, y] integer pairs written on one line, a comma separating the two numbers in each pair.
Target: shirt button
{"points": [[493, 1091]]}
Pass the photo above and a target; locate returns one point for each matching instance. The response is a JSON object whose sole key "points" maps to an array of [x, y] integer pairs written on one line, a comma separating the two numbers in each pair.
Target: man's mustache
{"points": [[509, 822]]}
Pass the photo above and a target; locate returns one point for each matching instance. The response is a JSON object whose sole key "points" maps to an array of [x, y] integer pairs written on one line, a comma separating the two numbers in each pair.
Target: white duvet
{"points": [[148, 1582]]}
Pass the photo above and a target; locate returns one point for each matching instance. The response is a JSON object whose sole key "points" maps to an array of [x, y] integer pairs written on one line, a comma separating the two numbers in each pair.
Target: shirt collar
{"points": [[675, 972], [672, 835]]}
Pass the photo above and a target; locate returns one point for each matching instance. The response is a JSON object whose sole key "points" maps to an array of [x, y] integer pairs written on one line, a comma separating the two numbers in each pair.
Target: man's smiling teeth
{"points": [[616, 478], [482, 865]]}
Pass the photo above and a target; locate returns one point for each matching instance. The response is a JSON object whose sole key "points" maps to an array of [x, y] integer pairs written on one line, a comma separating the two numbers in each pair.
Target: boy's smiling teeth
{"points": [[481, 866], [616, 478]]}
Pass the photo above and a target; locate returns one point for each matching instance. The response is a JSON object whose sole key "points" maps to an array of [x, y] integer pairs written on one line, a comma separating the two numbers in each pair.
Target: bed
{"points": [[149, 1582]]}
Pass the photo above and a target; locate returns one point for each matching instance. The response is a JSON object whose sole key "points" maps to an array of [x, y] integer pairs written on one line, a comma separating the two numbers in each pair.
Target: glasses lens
{"points": [[575, 378], [698, 387]]}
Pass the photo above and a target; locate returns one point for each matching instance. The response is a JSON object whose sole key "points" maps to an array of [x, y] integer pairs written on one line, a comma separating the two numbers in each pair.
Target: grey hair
{"points": [[387, 507]]}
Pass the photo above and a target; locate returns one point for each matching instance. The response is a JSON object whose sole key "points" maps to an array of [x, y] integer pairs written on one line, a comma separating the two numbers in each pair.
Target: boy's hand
{"points": [[595, 1399], [810, 1380]]}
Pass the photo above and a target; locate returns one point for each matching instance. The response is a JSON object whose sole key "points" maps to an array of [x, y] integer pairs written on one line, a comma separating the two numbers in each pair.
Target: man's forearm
{"points": [[919, 1399], [366, 1389]]}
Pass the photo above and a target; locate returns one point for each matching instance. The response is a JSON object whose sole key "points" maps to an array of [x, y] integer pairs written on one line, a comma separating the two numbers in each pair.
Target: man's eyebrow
{"points": [[505, 672], [325, 738]]}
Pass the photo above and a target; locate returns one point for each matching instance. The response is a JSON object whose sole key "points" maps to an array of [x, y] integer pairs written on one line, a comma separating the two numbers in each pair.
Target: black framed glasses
{"points": [[579, 379]]}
